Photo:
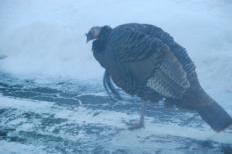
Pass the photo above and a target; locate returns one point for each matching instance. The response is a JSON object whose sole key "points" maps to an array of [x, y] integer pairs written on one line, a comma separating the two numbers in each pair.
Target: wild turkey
{"points": [[145, 61]]}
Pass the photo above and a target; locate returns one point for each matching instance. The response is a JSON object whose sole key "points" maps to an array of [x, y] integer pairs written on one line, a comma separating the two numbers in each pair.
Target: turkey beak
{"points": [[88, 37]]}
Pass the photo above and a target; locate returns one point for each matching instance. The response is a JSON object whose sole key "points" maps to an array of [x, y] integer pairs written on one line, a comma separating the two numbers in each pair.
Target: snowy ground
{"points": [[51, 96], [49, 119]]}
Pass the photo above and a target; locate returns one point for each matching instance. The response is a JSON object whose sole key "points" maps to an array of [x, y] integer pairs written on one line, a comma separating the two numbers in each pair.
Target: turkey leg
{"points": [[134, 124]]}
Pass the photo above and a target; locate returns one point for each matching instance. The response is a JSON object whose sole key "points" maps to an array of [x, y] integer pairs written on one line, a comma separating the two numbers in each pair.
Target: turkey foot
{"points": [[134, 124]]}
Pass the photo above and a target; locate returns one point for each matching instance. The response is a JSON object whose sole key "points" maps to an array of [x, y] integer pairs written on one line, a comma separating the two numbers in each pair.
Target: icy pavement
{"points": [[39, 119]]}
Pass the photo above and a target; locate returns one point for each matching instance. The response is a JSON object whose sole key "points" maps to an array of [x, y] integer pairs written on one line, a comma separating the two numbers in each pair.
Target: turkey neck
{"points": [[100, 44]]}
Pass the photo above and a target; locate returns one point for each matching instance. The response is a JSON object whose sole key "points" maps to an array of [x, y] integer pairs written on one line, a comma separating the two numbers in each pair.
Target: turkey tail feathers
{"points": [[213, 113]]}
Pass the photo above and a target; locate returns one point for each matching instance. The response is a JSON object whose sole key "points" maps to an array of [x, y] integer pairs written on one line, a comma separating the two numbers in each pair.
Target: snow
{"points": [[82, 116], [131, 140], [11, 148]]}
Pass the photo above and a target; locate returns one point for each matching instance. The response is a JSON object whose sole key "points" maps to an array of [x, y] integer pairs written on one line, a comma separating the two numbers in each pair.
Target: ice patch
{"points": [[83, 116], [13, 147]]}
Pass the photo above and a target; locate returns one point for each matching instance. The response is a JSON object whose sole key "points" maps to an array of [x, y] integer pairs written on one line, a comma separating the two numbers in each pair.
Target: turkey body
{"points": [[145, 61]]}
